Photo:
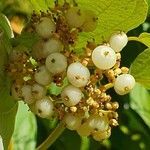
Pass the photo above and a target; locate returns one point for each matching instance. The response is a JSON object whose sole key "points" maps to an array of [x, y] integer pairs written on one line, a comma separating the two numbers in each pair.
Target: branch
{"points": [[108, 86], [52, 137], [134, 38]]}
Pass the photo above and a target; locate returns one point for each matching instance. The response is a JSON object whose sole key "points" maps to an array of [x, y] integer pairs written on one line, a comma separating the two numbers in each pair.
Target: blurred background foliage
{"points": [[133, 133]]}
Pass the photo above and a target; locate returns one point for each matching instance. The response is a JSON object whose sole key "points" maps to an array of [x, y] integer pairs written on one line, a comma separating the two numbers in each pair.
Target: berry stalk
{"points": [[52, 137]]}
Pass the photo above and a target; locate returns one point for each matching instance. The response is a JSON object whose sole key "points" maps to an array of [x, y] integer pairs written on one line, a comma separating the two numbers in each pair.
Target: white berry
{"points": [[44, 108], [104, 57], [90, 22], [75, 17], [118, 41], [99, 135], [38, 50], [15, 54], [38, 91], [56, 63], [16, 91], [45, 27], [43, 48], [27, 94], [42, 76], [124, 84], [71, 95], [72, 122], [85, 129], [78, 75], [52, 45], [98, 123]]}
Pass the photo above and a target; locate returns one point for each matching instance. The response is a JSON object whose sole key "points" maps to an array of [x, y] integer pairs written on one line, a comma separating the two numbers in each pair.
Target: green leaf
{"points": [[67, 141], [132, 134], [25, 39], [140, 102], [7, 121], [145, 38], [3, 54], [149, 6], [8, 110], [5, 45], [70, 140], [123, 15], [25, 129], [42, 5], [8, 106], [21, 6], [113, 15], [4, 49], [5, 26], [140, 68], [55, 90]]}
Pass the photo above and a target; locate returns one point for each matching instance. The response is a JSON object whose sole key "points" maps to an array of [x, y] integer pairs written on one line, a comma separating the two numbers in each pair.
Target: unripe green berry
{"points": [[75, 17], [46, 27], [90, 22]]}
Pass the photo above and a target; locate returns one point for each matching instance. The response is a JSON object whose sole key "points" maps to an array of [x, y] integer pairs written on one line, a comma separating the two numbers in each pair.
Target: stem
{"points": [[106, 111], [52, 137], [108, 86], [85, 143], [133, 38]]}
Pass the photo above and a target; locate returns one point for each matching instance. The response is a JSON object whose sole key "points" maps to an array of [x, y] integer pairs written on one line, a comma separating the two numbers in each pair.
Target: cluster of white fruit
{"points": [[95, 125], [50, 48], [104, 57], [50, 54]]}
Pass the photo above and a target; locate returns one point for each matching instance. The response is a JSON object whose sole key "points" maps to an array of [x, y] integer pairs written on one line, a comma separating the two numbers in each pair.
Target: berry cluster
{"points": [[83, 104]]}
